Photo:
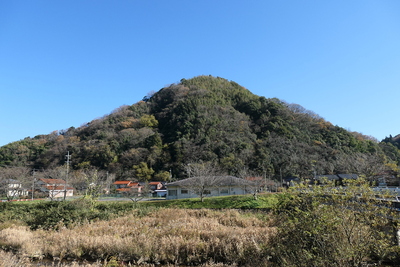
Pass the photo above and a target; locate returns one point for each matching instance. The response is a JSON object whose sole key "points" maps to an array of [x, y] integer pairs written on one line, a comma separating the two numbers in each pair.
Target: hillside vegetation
{"points": [[207, 119], [324, 226]]}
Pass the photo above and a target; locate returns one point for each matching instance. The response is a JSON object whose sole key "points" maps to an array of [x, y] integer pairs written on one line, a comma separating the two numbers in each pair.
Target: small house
{"points": [[128, 187], [54, 188], [222, 186], [158, 189], [13, 188]]}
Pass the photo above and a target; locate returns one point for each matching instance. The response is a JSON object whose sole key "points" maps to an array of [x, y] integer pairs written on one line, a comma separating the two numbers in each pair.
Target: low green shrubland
{"points": [[306, 226], [53, 214], [264, 201]]}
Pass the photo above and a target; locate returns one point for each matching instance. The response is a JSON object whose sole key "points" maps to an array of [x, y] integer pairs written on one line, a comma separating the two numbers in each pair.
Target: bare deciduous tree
{"points": [[255, 182], [92, 182], [14, 182], [139, 192], [370, 166], [203, 177]]}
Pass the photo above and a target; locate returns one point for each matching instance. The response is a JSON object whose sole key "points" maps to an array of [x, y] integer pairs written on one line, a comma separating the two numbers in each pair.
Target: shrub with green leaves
{"points": [[333, 226]]}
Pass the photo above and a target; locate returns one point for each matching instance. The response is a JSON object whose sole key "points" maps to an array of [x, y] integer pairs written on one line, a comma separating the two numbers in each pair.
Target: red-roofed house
{"points": [[127, 186], [122, 184], [54, 187], [156, 185]]}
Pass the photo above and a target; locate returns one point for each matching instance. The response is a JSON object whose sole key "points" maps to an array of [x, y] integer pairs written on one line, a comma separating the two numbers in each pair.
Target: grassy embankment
{"points": [[166, 232]]}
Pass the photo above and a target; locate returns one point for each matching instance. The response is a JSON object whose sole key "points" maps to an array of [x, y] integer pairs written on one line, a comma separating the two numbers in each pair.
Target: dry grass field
{"points": [[166, 237]]}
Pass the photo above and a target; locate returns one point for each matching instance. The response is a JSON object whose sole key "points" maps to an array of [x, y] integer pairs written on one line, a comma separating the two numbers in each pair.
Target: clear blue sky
{"points": [[65, 63]]}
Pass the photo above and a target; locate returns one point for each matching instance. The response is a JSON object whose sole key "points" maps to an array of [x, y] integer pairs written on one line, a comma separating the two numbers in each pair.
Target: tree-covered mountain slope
{"points": [[206, 119]]}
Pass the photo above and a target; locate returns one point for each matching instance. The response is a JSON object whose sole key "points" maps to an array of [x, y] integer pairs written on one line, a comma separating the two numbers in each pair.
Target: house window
{"points": [[184, 191], [173, 192], [207, 192], [224, 191]]}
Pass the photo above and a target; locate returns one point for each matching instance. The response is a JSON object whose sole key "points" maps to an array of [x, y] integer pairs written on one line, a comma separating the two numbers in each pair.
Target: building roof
{"points": [[337, 176], [254, 178], [124, 189], [219, 181], [122, 182], [52, 181], [9, 181], [154, 183], [348, 176], [58, 187]]}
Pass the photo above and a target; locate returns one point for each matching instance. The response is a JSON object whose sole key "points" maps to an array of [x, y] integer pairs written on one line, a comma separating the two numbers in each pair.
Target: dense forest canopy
{"points": [[208, 119]]}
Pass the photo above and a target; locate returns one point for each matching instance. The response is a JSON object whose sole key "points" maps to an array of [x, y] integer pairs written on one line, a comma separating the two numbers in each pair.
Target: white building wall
{"points": [[179, 193]]}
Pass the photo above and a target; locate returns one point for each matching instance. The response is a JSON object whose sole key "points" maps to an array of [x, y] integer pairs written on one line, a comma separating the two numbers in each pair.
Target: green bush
{"points": [[333, 226], [52, 214], [55, 214]]}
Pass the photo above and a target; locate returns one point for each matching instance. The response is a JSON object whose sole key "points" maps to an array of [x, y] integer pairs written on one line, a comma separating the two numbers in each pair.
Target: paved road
{"points": [[128, 199]]}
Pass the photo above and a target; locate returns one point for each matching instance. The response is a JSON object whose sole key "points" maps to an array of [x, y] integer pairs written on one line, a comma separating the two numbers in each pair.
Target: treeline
{"points": [[207, 119]]}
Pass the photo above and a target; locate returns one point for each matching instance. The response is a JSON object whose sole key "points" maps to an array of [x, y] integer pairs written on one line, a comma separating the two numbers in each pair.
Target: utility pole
{"points": [[68, 156], [108, 184], [33, 182]]}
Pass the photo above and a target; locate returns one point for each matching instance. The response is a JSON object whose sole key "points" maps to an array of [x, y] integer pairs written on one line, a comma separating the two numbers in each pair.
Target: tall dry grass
{"points": [[168, 236]]}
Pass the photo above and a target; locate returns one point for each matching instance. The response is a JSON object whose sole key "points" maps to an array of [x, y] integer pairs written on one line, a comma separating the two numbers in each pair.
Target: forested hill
{"points": [[207, 119]]}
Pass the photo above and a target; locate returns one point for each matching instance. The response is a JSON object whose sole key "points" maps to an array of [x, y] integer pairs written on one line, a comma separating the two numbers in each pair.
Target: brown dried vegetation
{"points": [[167, 236]]}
